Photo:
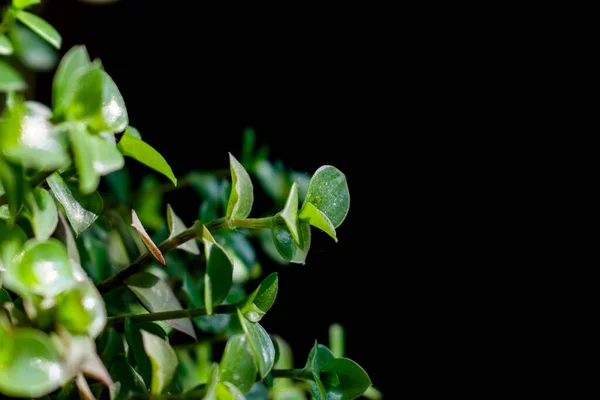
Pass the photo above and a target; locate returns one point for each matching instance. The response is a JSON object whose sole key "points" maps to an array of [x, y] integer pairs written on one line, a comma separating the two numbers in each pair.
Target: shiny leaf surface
{"points": [[41, 27], [242, 191], [328, 191], [81, 310], [113, 115], [238, 364], [6, 47], [219, 274], [318, 219], [349, 379], [135, 148], [163, 359], [290, 213], [65, 84], [260, 301], [261, 344]]}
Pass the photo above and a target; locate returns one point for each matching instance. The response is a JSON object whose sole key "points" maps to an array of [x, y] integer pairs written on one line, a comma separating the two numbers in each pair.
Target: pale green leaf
{"points": [[176, 226], [163, 359], [318, 219], [238, 364], [242, 191], [328, 191], [113, 115], [44, 214], [290, 213], [10, 79], [6, 47], [135, 148], [41, 27], [65, 84]]}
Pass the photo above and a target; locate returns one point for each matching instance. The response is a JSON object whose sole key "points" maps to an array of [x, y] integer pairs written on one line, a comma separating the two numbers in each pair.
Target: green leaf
{"points": [[238, 365], [136, 345], [14, 184], [20, 4], [336, 340], [128, 381], [130, 130], [10, 79], [163, 359], [11, 241], [261, 344], [272, 179], [65, 84], [328, 191], [219, 273], [318, 219], [6, 47], [81, 210], [211, 385], [4, 212], [119, 184], [29, 356], [33, 51], [41, 27], [156, 295], [110, 345], [242, 191], [176, 226], [94, 157], [290, 213], [350, 381], [227, 391], [260, 301], [86, 100], [113, 115], [259, 391], [81, 310], [318, 357], [42, 268], [44, 214], [287, 247], [135, 148], [152, 248], [4, 296]]}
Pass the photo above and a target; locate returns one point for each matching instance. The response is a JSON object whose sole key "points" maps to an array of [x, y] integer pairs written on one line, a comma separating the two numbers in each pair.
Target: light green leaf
{"points": [[227, 391], [336, 340], [242, 191], [81, 210], [349, 379], [260, 301], [238, 365], [33, 51], [15, 185], [135, 148], [86, 100], [176, 226], [65, 84], [81, 310], [44, 214], [219, 273], [127, 381], [41, 27], [113, 115], [286, 246], [136, 346], [10, 79], [6, 47], [4, 212], [152, 248], [28, 355], [290, 213], [156, 295], [328, 191], [318, 219], [261, 345], [211, 385], [163, 359], [130, 130], [12, 239], [20, 4]]}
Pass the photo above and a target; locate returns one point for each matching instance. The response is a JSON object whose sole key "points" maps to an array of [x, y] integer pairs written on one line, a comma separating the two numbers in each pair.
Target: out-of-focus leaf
{"points": [[34, 52], [238, 364], [136, 345], [152, 248], [272, 179], [336, 340], [65, 84], [12, 239], [149, 203], [41, 27], [44, 214], [139, 150], [176, 226], [10, 78], [219, 273], [128, 382], [20, 4], [228, 391], [258, 391], [242, 191], [6, 47], [119, 183], [261, 345], [163, 359], [328, 191], [81, 210], [4, 212], [260, 301], [81, 310], [318, 219], [290, 213], [113, 115], [287, 247], [4, 296]]}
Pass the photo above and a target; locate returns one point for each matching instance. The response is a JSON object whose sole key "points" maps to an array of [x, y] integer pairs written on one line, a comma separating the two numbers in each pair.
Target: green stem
{"points": [[167, 315], [296, 373], [40, 178]]}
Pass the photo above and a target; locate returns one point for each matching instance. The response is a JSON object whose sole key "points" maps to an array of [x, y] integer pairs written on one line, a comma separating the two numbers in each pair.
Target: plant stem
{"points": [[167, 315], [40, 178], [192, 233], [296, 373]]}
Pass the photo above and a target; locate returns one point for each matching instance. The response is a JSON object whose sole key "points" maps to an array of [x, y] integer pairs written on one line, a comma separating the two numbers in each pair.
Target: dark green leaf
{"points": [[113, 113], [81, 310], [152, 248], [249, 139], [258, 392], [135, 148], [328, 191], [350, 381], [20, 4], [94, 257], [44, 214], [15, 186], [318, 357], [260, 301], [176, 226], [286, 246], [65, 84], [4, 296], [81, 210], [110, 345], [156, 295], [261, 345], [33, 51], [219, 273], [119, 183], [242, 191], [290, 213], [41, 27], [238, 364], [163, 359], [6, 47], [149, 203], [10, 78], [136, 345], [128, 381], [318, 219]]}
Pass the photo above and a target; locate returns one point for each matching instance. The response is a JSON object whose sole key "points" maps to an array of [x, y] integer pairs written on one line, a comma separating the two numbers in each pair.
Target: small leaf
{"points": [[156, 295], [113, 115], [318, 219], [135, 148], [81, 210], [351, 380], [10, 245], [65, 84], [242, 191], [219, 273], [20, 4], [44, 214], [328, 191], [272, 179], [41, 27], [238, 364], [33, 51], [127, 381], [176, 226], [10, 79], [130, 130], [260, 301], [211, 385], [163, 359], [4, 212], [86, 100], [318, 357], [152, 248], [287, 247], [261, 345], [6, 47], [227, 391], [136, 346], [81, 310], [290, 213], [15, 185]]}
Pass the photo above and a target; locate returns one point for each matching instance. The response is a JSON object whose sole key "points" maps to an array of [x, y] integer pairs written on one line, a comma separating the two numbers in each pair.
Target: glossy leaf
{"points": [[152, 248], [41, 27], [290, 213], [81, 210], [328, 191], [4, 296], [261, 344], [318, 219], [14, 184], [128, 382], [113, 115], [65, 84], [33, 51], [219, 273], [10, 78], [94, 157], [11, 241], [176, 226], [81, 310], [350, 380], [228, 391], [318, 357], [287, 247], [4, 212], [6, 47], [156, 295], [29, 356], [163, 359], [260, 301], [272, 179], [135, 148], [20, 4], [242, 191], [136, 345], [44, 214], [130, 130], [238, 364]]}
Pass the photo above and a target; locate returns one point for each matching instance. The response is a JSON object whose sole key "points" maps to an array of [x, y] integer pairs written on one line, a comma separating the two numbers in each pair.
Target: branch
{"points": [[167, 315]]}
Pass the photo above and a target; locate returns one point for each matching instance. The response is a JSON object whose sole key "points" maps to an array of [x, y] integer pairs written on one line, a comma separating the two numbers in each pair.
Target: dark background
{"points": [[310, 83]]}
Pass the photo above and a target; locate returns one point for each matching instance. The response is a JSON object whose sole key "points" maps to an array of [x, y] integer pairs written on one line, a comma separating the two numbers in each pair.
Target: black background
{"points": [[313, 85]]}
